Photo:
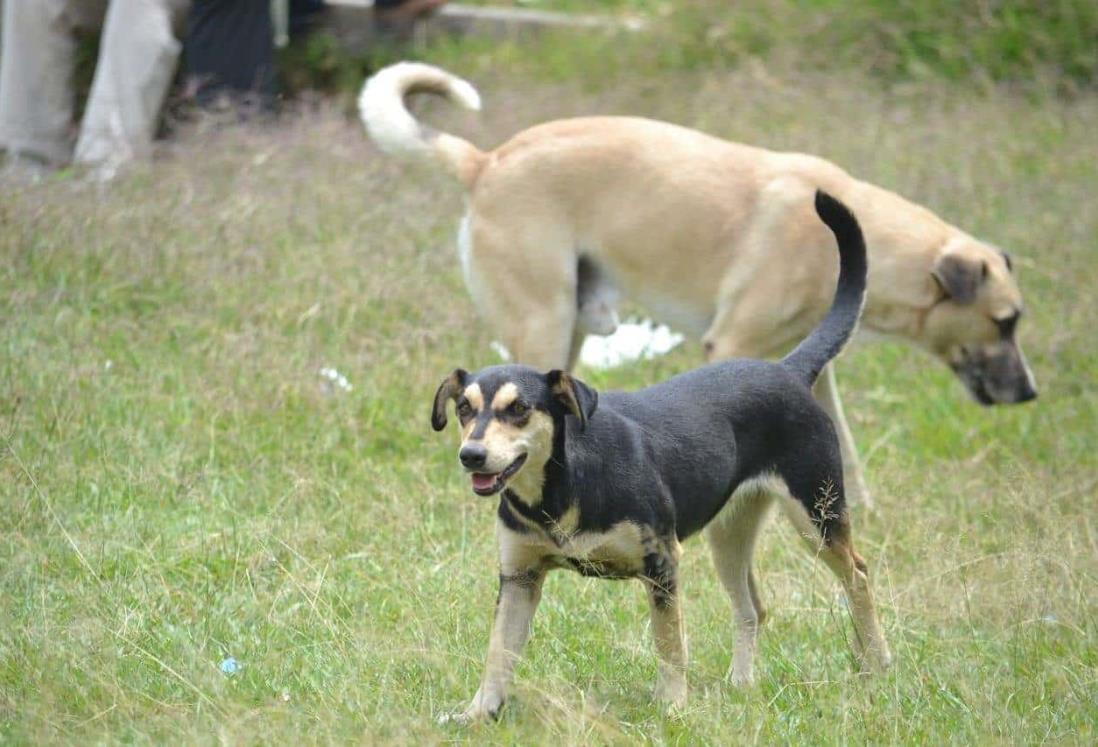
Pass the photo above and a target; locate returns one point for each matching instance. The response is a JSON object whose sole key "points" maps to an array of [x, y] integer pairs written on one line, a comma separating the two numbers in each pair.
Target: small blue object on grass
{"points": [[230, 666]]}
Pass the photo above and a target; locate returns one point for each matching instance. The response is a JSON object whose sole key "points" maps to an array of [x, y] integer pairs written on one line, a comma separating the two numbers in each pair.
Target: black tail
{"points": [[828, 339]]}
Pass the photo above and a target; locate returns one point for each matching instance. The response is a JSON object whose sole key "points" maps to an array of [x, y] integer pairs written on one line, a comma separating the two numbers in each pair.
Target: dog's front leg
{"points": [[519, 594], [661, 578]]}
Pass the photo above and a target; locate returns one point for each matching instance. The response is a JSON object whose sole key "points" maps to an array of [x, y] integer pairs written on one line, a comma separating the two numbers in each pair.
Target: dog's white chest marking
{"points": [[618, 552]]}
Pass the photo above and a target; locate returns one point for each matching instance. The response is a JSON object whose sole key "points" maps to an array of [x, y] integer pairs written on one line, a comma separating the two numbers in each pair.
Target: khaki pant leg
{"points": [[137, 58]]}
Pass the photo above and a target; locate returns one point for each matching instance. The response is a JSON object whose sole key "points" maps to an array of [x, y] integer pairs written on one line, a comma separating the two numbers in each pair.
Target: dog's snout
{"points": [[473, 456]]}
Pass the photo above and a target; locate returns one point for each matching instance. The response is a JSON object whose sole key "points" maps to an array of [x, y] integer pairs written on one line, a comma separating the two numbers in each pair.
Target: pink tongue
{"points": [[482, 481]]}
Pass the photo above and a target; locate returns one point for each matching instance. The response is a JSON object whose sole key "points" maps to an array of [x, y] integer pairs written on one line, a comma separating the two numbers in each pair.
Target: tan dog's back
{"points": [[715, 238], [640, 197]]}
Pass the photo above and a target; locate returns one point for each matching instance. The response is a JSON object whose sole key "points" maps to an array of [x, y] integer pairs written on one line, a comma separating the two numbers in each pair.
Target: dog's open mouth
{"points": [[489, 483]]}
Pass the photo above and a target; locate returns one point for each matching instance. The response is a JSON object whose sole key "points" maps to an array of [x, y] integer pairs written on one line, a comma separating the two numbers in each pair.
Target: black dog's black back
{"points": [[708, 431]]}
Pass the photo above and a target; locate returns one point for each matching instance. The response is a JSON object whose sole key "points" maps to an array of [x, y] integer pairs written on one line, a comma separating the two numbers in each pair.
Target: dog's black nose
{"points": [[1028, 393], [473, 456]]}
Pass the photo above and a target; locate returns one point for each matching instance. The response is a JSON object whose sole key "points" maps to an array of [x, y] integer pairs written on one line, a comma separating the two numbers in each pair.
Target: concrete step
{"points": [[354, 24]]}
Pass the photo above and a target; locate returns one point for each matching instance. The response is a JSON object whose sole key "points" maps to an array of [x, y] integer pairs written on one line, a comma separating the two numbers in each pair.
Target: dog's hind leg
{"points": [[524, 288], [732, 535], [543, 337], [833, 545], [764, 306], [870, 646]]}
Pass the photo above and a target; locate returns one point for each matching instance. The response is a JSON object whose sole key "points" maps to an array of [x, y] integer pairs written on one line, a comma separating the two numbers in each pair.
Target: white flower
{"points": [[334, 379]]}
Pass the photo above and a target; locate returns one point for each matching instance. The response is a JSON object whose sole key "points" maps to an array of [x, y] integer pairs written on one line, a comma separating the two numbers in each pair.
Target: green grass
{"points": [[1031, 45], [175, 487]]}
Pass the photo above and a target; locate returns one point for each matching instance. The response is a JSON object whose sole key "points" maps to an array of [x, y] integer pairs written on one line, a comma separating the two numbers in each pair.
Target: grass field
{"points": [[177, 487]]}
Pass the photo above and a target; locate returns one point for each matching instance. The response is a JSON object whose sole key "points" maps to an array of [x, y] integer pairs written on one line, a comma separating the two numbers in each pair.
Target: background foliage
{"points": [[1025, 43]]}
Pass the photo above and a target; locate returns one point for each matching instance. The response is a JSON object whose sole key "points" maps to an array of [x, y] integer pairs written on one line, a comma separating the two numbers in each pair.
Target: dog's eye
{"points": [[518, 408]]}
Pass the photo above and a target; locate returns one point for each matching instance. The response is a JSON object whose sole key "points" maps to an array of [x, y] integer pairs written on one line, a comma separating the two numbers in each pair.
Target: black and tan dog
{"points": [[609, 486]]}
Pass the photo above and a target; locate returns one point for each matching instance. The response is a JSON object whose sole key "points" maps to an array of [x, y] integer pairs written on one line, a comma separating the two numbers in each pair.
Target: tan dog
{"points": [[716, 238]]}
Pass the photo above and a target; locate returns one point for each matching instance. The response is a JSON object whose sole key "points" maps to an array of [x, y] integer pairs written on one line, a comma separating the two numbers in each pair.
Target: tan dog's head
{"points": [[972, 326], [512, 419]]}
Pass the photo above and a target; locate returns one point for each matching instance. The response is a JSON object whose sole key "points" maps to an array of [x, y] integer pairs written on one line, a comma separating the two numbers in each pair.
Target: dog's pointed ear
{"points": [[578, 398], [960, 278], [450, 388]]}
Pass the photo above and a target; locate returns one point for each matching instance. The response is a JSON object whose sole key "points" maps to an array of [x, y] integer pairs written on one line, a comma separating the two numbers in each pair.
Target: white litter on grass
{"points": [[631, 341], [333, 380]]}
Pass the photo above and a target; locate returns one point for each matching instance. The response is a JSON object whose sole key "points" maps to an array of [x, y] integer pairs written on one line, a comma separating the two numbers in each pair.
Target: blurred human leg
{"points": [[36, 69], [137, 58]]}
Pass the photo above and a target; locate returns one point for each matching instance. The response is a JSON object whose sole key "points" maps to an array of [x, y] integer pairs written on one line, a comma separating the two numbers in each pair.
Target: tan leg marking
{"points": [[521, 577], [870, 646], [518, 600], [670, 639]]}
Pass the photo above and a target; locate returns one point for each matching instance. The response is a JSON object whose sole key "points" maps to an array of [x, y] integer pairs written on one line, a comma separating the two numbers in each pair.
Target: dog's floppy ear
{"points": [[450, 388], [578, 398], [960, 278]]}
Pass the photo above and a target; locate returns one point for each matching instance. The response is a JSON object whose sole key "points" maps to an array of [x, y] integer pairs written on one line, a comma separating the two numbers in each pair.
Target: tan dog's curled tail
{"points": [[393, 128]]}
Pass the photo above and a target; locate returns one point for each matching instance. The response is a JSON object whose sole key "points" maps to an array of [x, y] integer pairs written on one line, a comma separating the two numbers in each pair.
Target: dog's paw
{"points": [[741, 672], [885, 660], [477, 712], [876, 659], [741, 678], [672, 692]]}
